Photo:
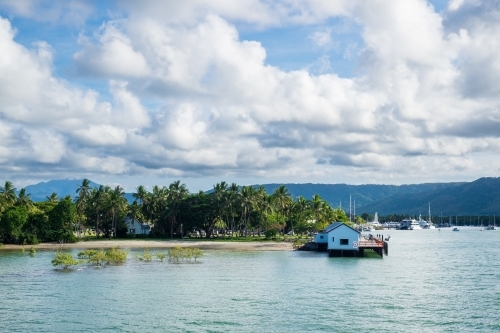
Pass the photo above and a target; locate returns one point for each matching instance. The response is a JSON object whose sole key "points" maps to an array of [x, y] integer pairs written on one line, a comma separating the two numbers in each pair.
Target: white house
{"points": [[136, 227], [339, 239]]}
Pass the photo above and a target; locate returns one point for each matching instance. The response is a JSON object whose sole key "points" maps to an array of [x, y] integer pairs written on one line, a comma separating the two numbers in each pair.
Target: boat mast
{"points": [[430, 218], [350, 211]]}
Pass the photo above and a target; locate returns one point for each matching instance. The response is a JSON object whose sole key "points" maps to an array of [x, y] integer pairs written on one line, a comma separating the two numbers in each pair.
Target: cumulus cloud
{"points": [[70, 12], [188, 96]]}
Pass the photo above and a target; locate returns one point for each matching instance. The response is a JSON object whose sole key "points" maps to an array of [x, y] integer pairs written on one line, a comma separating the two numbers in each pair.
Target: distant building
{"points": [[136, 227]]}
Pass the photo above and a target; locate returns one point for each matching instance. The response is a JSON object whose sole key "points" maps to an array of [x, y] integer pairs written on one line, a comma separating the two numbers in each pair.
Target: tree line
{"points": [[172, 211]]}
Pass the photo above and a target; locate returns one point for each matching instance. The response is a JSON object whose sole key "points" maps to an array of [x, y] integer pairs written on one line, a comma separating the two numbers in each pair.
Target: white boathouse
{"points": [[339, 239]]}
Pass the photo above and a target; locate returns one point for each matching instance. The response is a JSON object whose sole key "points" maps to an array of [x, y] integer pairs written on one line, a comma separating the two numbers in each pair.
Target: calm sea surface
{"points": [[432, 281]]}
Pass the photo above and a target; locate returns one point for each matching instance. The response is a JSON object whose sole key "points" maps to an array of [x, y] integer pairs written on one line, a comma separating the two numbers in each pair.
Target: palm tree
{"points": [[300, 207], [248, 196], [176, 193], [23, 199], [83, 191], [134, 211], [8, 193], [156, 203], [117, 203], [232, 197], [318, 207], [96, 200], [140, 194], [282, 199], [53, 197], [219, 197]]}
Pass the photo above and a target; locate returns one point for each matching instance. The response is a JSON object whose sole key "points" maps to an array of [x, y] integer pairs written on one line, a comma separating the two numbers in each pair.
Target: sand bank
{"points": [[161, 244]]}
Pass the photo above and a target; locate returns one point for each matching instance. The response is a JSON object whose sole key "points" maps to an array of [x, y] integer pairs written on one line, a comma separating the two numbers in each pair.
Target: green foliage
{"points": [[32, 251], [64, 259], [160, 256], [115, 256], [146, 256], [271, 233], [112, 256], [179, 254], [11, 223]]}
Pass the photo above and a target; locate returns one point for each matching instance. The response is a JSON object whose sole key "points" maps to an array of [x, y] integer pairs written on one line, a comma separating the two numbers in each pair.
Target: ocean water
{"points": [[431, 281]]}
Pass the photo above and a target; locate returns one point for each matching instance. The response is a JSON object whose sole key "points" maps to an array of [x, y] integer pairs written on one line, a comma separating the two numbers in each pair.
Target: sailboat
{"points": [[428, 224], [492, 227], [456, 224]]}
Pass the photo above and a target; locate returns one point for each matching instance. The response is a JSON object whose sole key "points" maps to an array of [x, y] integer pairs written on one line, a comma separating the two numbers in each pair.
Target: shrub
{"points": [[64, 259], [30, 239], [115, 256], [178, 254], [161, 256], [271, 233]]}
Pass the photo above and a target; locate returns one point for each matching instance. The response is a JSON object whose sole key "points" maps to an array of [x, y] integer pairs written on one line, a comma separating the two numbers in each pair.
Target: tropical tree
{"points": [[24, 199], [134, 211], [247, 202], [117, 203], [83, 193], [52, 198], [282, 199], [96, 197], [8, 193], [232, 200], [176, 193]]}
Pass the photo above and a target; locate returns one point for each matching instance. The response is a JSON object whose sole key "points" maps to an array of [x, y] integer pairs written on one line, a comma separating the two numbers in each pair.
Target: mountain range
{"points": [[479, 197]]}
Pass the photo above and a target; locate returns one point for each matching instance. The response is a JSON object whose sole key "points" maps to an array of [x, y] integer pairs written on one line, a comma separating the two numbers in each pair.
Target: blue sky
{"points": [[255, 91]]}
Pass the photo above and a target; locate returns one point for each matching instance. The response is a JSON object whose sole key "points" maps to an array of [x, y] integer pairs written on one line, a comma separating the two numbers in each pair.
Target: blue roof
{"points": [[334, 226]]}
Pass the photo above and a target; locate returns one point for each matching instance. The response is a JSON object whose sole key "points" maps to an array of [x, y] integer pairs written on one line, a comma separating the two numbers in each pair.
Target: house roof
{"points": [[334, 226]]}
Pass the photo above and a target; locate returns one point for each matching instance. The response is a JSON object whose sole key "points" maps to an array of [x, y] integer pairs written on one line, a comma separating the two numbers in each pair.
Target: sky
{"points": [[250, 91]]}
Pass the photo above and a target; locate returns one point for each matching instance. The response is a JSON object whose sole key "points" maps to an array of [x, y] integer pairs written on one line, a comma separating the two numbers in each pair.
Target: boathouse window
{"points": [[344, 241], [333, 239], [320, 237]]}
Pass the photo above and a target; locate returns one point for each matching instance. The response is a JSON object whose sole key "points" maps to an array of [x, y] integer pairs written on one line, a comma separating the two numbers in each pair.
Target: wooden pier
{"points": [[376, 244]]}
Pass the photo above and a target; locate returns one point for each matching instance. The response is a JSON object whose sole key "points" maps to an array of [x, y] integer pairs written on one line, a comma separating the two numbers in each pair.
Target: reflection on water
{"points": [[432, 281]]}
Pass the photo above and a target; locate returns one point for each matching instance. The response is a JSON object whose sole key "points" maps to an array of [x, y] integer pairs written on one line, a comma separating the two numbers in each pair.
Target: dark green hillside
{"points": [[364, 195], [480, 197], [63, 187]]}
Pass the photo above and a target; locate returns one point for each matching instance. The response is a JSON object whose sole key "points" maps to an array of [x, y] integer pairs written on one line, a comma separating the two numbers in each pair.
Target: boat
{"points": [[492, 227], [456, 229], [428, 224], [388, 238], [409, 224]]}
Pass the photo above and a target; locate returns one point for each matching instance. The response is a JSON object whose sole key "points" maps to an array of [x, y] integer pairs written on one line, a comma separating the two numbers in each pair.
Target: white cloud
{"points": [[113, 56], [322, 38], [189, 97], [70, 12]]}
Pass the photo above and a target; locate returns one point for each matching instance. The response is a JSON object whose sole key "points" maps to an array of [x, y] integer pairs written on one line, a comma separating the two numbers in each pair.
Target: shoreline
{"points": [[159, 244]]}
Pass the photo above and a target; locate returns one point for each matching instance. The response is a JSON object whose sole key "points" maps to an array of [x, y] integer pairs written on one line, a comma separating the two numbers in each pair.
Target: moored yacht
{"points": [[409, 224]]}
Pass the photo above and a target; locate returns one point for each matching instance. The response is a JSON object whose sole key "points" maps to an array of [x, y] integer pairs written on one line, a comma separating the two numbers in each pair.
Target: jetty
{"points": [[340, 240]]}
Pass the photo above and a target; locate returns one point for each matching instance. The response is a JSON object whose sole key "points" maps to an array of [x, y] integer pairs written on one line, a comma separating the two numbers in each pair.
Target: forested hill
{"points": [[480, 197], [364, 195], [63, 187]]}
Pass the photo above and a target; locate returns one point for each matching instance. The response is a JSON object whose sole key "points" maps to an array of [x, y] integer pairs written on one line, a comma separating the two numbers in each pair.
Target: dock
{"points": [[376, 244]]}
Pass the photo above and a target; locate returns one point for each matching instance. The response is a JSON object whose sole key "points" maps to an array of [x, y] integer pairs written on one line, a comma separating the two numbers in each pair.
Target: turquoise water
{"points": [[432, 281]]}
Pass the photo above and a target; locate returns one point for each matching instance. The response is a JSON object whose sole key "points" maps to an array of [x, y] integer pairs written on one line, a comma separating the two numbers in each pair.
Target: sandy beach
{"points": [[161, 244]]}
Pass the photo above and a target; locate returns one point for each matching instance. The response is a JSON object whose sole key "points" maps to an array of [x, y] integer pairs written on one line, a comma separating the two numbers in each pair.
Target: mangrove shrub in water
{"points": [[65, 260], [178, 254], [112, 256]]}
